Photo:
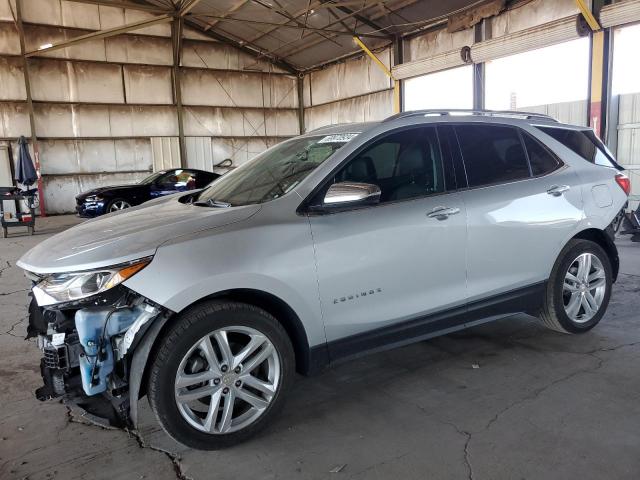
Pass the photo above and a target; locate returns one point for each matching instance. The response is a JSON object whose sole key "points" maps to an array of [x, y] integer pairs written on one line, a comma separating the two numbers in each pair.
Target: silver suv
{"points": [[348, 239]]}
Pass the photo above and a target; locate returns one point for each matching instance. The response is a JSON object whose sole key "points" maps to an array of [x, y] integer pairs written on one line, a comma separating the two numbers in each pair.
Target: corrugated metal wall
{"points": [[628, 147], [105, 112], [353, 91]]}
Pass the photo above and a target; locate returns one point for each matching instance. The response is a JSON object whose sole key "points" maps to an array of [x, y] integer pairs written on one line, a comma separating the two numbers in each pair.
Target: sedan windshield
{"points": [[273, 173], [151, 178]]}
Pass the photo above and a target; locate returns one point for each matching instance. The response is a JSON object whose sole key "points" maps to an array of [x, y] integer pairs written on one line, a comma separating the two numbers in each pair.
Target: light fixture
{"points": [[46, 45]]}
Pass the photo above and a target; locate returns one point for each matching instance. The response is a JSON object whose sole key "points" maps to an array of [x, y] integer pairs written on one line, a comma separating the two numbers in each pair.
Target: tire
{"points": [[187, 422], [557, 304], [114, 205]]}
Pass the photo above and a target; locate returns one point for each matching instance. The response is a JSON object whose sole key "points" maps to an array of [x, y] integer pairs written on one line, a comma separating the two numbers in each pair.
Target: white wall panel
{"points": [[138, 49], [54, 80], [236, 122], [148, 85], [5, 11], [165, 152], [12, 79], [94, 156], [14, 120], [360, 109], [9, 39], [436, 42], [573, 113], [219, 56], [229, 89], [536, 12], [144, 121], [349, 79]]}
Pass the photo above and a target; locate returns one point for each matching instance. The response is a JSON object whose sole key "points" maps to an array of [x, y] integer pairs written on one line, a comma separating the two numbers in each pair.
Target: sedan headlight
{"points": [[93, 198], [68, 287]]}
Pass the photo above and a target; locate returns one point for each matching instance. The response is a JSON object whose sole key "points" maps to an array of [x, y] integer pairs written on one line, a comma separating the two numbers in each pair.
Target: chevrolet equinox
{"points": [[347, 239]]}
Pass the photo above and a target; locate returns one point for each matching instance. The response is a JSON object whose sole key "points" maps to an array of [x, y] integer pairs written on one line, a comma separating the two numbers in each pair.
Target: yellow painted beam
{"points": [[597, 74], [396, 83], [588, 16]]}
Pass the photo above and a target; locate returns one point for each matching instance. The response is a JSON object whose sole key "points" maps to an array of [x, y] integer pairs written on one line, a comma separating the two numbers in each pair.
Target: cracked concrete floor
{"points": [[541, 405]]}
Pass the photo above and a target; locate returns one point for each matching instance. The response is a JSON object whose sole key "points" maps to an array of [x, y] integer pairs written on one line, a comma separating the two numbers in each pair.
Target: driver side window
{"points": [[405, 165]]}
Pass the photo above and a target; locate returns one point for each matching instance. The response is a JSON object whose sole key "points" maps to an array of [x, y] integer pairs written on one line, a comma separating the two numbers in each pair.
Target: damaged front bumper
{"points": [[88, 348]]}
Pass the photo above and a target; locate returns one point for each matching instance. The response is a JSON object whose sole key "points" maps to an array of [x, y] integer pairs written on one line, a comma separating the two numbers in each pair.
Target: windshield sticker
{"points": [[339, 138]]}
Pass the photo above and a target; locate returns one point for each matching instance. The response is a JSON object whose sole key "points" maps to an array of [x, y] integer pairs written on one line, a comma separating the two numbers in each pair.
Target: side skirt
{"points": [[522, 300]]}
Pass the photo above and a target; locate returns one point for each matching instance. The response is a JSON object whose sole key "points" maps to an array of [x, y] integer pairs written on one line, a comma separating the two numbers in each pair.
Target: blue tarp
{"points": [[25, 171]]}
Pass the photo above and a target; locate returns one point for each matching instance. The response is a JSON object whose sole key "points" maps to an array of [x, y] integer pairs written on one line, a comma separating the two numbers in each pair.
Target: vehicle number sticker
{"points": [[338, 138]]}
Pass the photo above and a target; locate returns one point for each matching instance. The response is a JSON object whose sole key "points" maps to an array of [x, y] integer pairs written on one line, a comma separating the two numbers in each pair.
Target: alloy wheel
{"points": [[118, 205], [584, 288], [227, 380]]}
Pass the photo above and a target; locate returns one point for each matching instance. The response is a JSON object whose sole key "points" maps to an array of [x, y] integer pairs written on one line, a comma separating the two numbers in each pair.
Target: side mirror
{"points": [[350, 194]]}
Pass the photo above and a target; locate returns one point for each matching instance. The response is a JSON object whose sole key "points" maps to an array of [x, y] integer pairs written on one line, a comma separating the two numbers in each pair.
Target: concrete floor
{"points": [[540, 405]]}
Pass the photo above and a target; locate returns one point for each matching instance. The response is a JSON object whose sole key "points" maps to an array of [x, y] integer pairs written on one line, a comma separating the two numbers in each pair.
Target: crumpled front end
{"points": [[88, 348]]}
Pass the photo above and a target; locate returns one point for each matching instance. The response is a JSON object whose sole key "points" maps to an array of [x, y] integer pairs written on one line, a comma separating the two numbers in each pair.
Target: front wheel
{"points": [[579, 288], [117, 205], [221, 374]]}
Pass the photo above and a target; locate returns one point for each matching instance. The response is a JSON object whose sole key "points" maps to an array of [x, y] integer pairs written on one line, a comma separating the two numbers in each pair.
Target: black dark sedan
{"points": [[109, 199]]}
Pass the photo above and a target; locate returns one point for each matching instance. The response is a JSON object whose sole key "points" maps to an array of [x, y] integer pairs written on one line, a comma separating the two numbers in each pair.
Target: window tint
{"points": [[582, 142], [404, 165], [541, 160], [492, 154]]}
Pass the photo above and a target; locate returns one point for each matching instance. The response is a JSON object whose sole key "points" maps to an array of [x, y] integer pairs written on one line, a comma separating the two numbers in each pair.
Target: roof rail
{"points": [[487, 113]]}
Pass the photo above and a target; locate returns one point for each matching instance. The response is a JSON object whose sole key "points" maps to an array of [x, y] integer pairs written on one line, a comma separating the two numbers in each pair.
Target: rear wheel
{"points": [[579, 288], [221, 374]]}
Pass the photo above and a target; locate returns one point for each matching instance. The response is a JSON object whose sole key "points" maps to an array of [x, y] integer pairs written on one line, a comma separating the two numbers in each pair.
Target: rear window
{"points": [[584, 143]]}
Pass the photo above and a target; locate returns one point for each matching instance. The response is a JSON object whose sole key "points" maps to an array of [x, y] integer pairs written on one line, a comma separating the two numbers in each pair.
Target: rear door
{"points": [[382, 266], [522, 204]]}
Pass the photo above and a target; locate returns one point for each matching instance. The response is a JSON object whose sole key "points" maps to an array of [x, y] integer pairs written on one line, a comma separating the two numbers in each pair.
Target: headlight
{"points": [[93, 198], [67, 287]]}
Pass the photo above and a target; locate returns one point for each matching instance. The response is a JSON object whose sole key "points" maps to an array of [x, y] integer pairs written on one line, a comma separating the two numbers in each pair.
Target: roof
{"points": [[299, 35]]}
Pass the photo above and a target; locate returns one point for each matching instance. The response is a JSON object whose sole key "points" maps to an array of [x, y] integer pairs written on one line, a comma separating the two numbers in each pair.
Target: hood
{"points": [[98, 190], [127, 235]]}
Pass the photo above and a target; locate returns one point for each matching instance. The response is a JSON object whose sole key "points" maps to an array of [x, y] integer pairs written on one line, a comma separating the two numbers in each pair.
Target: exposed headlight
{"points": [[68, 287], [93, 198]]}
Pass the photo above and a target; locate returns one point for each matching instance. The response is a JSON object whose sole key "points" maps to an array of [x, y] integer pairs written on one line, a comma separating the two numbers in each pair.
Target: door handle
{"points": [[442, 213], [558, 190]]}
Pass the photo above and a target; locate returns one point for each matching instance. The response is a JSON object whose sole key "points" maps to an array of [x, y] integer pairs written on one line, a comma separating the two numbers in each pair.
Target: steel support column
{"points": [[32, 118], [176, 77], [599, 67], [481, 32], [301, 104], [398, 58]]}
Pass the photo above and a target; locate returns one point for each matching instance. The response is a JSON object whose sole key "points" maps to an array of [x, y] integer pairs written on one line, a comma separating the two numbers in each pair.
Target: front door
{"points": [[388, 266]]}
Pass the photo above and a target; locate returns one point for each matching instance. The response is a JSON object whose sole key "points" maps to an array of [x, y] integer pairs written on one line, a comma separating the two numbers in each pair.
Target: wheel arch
{"points": [[309, 360], [604, 238]]}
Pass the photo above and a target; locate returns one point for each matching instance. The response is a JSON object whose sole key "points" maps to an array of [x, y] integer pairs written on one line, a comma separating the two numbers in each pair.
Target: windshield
{"points": [[275, 172], [151, 178]]}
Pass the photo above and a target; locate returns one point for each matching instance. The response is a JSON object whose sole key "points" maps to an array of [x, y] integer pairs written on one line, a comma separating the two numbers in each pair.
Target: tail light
{"points": [[624, 182]]}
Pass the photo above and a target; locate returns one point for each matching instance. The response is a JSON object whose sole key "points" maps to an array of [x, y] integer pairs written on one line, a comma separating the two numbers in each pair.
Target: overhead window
{"points": [[449, 89], [492, 154], [542, 161], [542, 78]]}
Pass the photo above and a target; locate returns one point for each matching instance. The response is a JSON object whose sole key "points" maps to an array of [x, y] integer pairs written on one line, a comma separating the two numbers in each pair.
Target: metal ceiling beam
{"points": [[281, 11], [246, 47], [110, 32], [187, 6], [295, 14], [361, 18], [234, 8], [295, 27], [124, 4]]}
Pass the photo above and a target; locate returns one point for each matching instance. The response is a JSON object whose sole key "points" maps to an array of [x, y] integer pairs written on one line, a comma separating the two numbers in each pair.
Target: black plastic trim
{"points": [[521, 300]]}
